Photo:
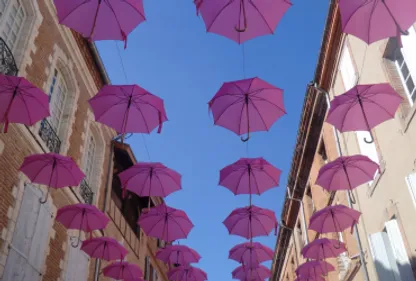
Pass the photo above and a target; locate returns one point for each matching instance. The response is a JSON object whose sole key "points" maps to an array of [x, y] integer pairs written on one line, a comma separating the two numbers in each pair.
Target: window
{"points": [[411, 184], [77, 268], [322, 152], [12, 17], [89, 158], [58, 92], [30, 239]]}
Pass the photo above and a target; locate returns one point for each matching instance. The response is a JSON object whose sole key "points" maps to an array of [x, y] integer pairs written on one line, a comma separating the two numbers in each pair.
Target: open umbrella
{"points": [[150, 179], [21, 102], [251, 253], [82, 217], [323, 248], [315, 278], [128, 109], [374, 20], [314, 269], [187, 273], [334, 219], [246, 106], [251, 221], [165, 223], [101, 19], [53, 170], [242, 20], [104, 248], [259, 272], [250, 176], [123, 271], [363, 107], [178, 254]]}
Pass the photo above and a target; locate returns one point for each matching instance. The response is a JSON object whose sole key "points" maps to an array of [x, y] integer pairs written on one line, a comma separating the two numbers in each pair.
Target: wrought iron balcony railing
{"points": [[49, 136], [7, 62], [86, 192]]}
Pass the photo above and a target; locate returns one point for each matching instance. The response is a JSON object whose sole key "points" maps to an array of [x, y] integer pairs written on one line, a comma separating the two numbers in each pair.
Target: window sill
{"points": [[375, 182], [409, 118]]}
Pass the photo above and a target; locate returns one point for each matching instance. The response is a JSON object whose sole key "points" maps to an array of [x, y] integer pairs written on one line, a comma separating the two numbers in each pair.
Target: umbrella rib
{"points": [[115, 17], [356, 10], [351, 104], [109, 108], [138, 11], [218, 14], [141, 113], [76, 8], [233, 103], [263, 99], [262, 16], [257, 184], [276, 183], [239, 182], [258, 112]]}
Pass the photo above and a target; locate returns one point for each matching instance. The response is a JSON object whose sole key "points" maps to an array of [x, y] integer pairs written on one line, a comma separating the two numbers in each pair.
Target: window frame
{"points": [[5, 16]]}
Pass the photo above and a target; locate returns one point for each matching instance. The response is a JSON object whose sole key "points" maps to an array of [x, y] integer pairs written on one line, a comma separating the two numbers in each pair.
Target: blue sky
{"points": [[172, 56]]}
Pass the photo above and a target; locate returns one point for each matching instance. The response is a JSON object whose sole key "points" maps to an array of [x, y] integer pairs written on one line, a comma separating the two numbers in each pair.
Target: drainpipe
{"points": [[356, 233], [305, 226]]}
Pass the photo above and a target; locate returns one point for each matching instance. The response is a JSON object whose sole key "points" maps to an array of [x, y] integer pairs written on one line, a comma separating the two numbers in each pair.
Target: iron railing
{"points": [[86, 192], [7, 62], [49, 136]]}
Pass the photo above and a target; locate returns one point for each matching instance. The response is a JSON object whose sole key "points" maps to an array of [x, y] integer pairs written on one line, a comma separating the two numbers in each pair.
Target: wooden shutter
{"points": [[78, 262]]}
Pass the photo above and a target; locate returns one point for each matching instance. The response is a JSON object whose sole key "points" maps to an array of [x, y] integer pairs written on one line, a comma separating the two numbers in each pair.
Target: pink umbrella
{"points": [[246, 106], [334, 219], [314, 269], [166, 223], [123, 271], [315, 278], [53, 170], [363, 107], [104, 248], [150, 179], [249, 176], [251, 221], [128, 109], [101, 20], [259, 272], [178, 254], [374, 20], [21, 102], [83, 217], [187, 273], [251, 253], [242, 20], [323, 248]]}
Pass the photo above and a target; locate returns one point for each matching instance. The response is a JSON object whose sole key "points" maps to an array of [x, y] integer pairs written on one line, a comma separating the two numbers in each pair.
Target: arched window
{"points": [[57, 96], [13, 16], [89, 158]]}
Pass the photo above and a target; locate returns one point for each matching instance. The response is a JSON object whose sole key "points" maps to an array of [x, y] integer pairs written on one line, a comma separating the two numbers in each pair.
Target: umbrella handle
{"points": [[238, 29], [352, 197], [75, 245], [247, 138], [43, 201], [371, 139]]}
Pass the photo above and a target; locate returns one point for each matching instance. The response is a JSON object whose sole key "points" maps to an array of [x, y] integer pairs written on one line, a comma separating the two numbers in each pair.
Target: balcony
{"points": [[86, 192], [49, 136], [7, 62]]}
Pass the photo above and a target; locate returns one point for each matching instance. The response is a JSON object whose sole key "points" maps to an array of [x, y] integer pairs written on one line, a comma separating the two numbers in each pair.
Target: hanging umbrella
{"points": [[242, 20], [314, 269], [104, 248], [259, 272], [187, 273], [101, 20], [246, 106], [324, 248], [53, 170], [334, 219], [374, 20], [150, 179], [316, 278], [251, 253], [128, 109], [249, 176], [21, 102], [165, 223], [363, 107], [123, 271], [251, 221], [82, 217], [178, 254]]}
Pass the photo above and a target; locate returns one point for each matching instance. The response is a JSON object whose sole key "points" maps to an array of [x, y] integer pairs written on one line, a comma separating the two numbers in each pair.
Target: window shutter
{"points": [[78, 262], [383, 257], [348, 73], [408, 50], [399, 250], [411, 184]]}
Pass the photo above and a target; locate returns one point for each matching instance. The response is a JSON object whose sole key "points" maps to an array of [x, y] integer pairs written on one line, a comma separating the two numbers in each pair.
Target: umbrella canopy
{"points": [[347, 172], [251, 221], [374, 20], [123, 271], [259, 272], [363, 107], [334, 219], [314, 269], [101, 20], [316, 278], [187, 273], [251, 253], [82, 217], [324, 248], [246, 106], [128, 109], [104, 248], [53, 170], [242, 20], [150, 179], [165, 223], [21, 102], [250, 176], [178, 254]]}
